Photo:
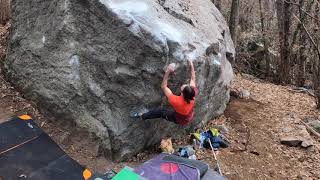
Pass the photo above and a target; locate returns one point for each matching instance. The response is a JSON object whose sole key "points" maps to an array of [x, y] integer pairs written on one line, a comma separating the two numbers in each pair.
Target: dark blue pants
{"points": [[163, 113]]}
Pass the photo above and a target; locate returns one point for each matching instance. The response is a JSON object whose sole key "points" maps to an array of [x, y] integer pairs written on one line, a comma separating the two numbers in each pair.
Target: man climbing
{"points": [[183, 105]]}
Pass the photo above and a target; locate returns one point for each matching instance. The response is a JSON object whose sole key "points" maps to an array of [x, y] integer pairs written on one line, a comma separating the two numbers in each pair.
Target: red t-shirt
{"points": [[184, 111]]}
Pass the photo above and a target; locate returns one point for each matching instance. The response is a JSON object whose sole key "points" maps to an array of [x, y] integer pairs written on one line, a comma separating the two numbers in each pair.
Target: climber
{"points": [[183, 105]]}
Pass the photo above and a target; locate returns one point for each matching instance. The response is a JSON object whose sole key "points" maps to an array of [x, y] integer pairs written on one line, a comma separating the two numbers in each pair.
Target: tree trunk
{"points": [[284, 17], [265, 40], [5, 11], [234, 20], [302, 19], [302, 61], [316, 79], [316, 72], [301, 75]]}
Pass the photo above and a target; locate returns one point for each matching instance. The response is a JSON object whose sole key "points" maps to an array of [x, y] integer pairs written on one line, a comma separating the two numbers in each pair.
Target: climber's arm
{"points": [[164, 85], [193, 74]]}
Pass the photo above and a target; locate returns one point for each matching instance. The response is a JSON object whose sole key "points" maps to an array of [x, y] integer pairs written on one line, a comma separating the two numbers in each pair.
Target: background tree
{"points": [[286, 39], [263, 6], [5, 10], [316, 44], [284, 21], [234, 20]]}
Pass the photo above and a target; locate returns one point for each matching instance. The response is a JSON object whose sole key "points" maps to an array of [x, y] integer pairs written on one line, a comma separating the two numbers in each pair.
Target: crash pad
{"points": [[126, 174], [26, 151]]}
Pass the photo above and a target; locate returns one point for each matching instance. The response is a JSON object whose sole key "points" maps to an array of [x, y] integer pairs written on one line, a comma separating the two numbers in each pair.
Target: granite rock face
{"points": [[94, 62]]}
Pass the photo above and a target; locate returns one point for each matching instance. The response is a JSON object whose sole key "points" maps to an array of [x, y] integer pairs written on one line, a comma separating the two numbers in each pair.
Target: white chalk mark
{"points": [[167, 31], [139, 14], [216, 60], [95, 88], [75, 65], [129, 7]]}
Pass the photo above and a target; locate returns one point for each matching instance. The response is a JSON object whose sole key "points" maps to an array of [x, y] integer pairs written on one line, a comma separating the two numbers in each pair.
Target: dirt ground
{"points": [[255, 126], [265, 116]]}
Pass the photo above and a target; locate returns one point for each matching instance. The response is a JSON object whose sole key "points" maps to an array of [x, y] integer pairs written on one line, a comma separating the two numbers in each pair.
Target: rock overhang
{"points": [[152, 21]]}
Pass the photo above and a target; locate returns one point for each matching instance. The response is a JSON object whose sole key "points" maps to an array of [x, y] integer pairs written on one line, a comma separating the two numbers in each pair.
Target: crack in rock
{"points": [[175, 14]]}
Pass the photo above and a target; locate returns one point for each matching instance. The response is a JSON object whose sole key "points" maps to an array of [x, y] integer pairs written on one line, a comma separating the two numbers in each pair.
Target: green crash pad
{"points": [[126, 174]]}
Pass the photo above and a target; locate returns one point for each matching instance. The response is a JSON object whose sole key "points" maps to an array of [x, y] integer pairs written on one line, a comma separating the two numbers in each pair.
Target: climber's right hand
{"points": [[190, 62], [170, 67]]}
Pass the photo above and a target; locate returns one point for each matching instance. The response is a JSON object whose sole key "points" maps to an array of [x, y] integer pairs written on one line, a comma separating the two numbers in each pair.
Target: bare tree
{"points": [[297, 27], [265, 38], [315, 41], [234, 20], [316, 44], [5, 10], [302, 58], [284, 21], [300, 36]]}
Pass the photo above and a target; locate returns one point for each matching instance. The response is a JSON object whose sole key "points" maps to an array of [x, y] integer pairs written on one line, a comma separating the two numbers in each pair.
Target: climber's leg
{"points": [[169, 115]]}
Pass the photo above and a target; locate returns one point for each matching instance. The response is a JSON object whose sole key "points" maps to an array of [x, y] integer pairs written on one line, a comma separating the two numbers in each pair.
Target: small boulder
{"points": [[307, 143], [291, 141], [296, 135], [244, 94]]}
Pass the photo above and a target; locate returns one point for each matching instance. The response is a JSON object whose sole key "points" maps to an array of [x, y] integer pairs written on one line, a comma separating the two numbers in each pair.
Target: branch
{"points": [[302, 17], [311, 129], [310, 37], [303, 10], [302, 90]]}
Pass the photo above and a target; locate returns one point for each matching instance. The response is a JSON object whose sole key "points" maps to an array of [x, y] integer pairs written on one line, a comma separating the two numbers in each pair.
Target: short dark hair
{"points": [[188, 93]]}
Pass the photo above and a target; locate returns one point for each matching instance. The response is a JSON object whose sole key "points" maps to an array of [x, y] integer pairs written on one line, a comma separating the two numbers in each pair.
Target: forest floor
{"points": [[256, 123], [271, 113]]}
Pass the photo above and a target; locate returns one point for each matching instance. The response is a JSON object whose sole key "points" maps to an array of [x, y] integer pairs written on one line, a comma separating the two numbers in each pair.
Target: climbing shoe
{"points": [[136, 115]]}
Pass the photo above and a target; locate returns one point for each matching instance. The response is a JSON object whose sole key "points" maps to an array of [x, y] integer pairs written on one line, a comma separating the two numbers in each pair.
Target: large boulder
{"points": [[94, 62]]}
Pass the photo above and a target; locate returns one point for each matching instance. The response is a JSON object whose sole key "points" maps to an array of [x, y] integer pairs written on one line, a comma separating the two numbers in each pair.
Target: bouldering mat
{"points": [[126, 174], [158, 169], [17, 131], [26, 151]]}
